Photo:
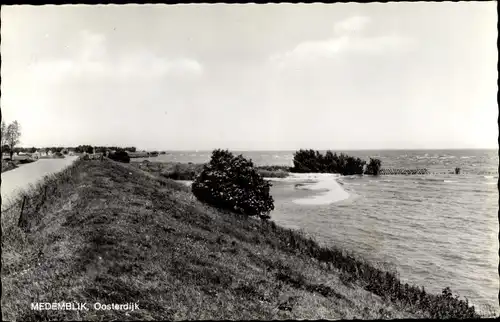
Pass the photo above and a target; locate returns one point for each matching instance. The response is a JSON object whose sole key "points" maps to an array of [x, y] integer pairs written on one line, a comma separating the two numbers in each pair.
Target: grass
{"points": [[273, 171], [274, 168], [112, 233], [272, 174], [189, 171], [138, 154], [10, 165], [171, 170]]}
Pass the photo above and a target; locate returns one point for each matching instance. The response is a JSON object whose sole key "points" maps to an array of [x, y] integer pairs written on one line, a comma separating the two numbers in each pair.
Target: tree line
{"points": [[102, 149], [12, 149], [305, 161]]}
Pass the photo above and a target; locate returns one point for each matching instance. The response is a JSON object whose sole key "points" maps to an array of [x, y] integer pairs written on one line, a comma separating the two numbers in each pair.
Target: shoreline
{"points": [[329, 190]]}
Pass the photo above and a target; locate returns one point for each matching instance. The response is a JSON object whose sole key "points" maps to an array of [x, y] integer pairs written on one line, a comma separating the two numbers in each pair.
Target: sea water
{"points": [[437, 230]]}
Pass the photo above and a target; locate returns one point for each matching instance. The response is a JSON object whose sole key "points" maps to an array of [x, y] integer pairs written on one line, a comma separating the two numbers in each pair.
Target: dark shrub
{"points": [[120, 156], [25, 161], [313, 161], [373, 167], [176, 175], [231, 182], [353, 166], [306, 161], [330, 161]]}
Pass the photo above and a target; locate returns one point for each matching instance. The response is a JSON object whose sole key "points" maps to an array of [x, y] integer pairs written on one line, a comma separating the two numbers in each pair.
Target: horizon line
{"points": [[272, 150]]}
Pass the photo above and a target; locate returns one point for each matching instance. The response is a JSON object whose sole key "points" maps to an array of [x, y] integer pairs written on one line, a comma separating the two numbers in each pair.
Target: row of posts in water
{"points": [[425, 171]]}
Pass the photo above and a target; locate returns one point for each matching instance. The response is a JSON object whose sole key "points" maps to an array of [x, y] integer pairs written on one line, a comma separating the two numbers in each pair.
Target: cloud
{"points": [[333, 47], [348, 39], [147, 64], [92, 59], [355, 23], [310, 51]]}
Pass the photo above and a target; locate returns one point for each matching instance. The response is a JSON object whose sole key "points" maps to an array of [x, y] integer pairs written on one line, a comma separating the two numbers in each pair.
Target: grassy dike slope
{"points": [[111, 233]]}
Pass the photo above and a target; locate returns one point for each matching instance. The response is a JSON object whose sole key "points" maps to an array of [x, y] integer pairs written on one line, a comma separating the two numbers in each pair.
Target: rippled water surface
{"points": [[438, 230]]}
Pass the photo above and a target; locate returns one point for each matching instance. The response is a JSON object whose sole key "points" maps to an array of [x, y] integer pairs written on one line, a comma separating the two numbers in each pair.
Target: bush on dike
{"points": [[232, 183]]}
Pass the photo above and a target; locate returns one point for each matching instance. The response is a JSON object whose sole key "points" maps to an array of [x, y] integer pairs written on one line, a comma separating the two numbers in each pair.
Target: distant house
{"points": [[36, 155]]}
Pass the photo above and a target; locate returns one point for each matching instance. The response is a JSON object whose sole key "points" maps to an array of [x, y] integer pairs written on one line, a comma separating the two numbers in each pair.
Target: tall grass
{"points": [[385, 284], [272, 174], [189, 171]]}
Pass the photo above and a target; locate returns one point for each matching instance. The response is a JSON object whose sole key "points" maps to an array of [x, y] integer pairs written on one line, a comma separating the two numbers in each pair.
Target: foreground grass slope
{"points": [[112, 233]]}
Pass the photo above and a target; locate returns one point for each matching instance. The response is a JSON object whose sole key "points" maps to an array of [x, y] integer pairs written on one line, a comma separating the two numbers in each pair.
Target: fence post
{"points": [[22, 206], [21, 220]]}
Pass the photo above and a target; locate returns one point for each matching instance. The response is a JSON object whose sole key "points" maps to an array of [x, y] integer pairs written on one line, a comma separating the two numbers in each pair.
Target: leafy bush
{"points": [[84, 148], [26, 161], [120, 156], [306, 161], [314, 161], [232, 183], [353, 166], [373, 167]]}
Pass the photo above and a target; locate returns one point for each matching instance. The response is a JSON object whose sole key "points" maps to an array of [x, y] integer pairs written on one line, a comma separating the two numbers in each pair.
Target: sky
{"points": [[341, 76]]}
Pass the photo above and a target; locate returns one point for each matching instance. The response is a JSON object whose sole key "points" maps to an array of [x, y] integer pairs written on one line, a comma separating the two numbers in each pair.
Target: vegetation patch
{"points": [[119, 156], [313, 161], [9, 165], [232, 183]]}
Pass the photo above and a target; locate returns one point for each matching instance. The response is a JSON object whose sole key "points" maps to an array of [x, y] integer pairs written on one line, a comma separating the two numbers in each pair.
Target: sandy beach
{"points": [[330, 191]]}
